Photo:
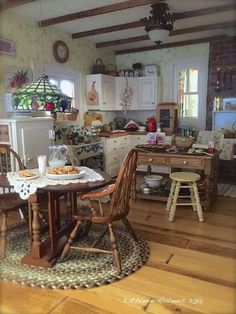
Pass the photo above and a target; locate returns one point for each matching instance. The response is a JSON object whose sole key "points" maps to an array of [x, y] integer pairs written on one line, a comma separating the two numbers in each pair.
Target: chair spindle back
{"points": [[121, 196]]}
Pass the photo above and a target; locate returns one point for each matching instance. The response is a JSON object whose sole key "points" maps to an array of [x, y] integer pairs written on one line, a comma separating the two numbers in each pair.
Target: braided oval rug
{"points": [[79, 269]]}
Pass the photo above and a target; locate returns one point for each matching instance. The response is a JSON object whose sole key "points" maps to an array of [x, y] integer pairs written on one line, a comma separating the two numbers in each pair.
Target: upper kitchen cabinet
{"points": [[101, 92], [127, 93], [147, 88]]}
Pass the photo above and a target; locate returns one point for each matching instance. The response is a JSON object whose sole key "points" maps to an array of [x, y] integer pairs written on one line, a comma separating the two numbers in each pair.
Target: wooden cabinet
{"points": [[100, 92], [207, 164], [167, 115], [122, 83], [147, 87]]}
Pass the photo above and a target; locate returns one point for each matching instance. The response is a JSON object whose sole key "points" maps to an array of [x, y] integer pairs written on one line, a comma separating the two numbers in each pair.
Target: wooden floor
{"points": [[191, 269]]}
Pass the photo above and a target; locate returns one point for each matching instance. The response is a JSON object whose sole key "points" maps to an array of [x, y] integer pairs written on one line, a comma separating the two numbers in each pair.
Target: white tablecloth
{"points": [[25, 188]]}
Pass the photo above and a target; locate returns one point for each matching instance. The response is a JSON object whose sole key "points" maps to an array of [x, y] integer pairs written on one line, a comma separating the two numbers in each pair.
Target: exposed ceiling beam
{"points": [[170, 45], [96, 11], [178, 16], [182, 31], [8, 4]]}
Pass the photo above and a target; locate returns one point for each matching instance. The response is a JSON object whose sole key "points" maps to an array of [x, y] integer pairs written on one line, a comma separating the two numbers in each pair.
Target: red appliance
{"points": [[151, 125]]}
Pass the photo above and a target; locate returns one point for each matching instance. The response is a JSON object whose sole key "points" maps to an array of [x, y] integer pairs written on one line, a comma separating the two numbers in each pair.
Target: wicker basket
{"points": [[184, 142]]}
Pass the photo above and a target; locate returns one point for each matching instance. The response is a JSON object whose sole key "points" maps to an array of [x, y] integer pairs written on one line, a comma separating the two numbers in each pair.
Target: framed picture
{"points": [[151, 70], [7, 47], [17, 78]]}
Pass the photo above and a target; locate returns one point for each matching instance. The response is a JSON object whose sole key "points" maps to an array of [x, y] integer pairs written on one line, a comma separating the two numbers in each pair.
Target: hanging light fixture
{"points": [[41, 95], [160, 23]]}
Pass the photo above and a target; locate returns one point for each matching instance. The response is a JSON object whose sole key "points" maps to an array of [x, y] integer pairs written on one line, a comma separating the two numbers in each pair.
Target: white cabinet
{"points": [[106, 92], [29, 137], [115, 150], [137, 140], [100, 92], [122, 83], [147, 88]]}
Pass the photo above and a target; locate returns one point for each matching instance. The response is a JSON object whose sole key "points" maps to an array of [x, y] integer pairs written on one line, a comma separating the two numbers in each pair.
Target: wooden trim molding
{"points": [[8, 4], [182, 31], [170, 45], [96, 11], [178, 16]]}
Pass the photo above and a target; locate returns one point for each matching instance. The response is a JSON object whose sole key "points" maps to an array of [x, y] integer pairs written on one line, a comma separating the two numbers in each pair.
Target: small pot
{"points": [[153, 180], [146, 190]]}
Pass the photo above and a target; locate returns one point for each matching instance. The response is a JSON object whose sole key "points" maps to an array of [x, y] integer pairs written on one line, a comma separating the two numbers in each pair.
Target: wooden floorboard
{"points": [[191, 270], [211, 248]]}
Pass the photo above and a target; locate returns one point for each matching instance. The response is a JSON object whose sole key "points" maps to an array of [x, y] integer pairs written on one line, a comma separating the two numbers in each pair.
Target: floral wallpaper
{"points": [[34, 45], [162, 57]]}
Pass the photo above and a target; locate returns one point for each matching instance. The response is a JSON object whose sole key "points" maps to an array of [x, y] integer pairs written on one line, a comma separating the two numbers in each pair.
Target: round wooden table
{"points": [[47, 239]]}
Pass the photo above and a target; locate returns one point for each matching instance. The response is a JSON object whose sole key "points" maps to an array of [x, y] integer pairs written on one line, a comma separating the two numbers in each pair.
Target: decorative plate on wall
{"points": [[60, 51]]}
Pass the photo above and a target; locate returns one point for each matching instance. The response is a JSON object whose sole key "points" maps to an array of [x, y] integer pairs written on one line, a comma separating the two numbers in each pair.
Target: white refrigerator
{"points": [[28, 136]]}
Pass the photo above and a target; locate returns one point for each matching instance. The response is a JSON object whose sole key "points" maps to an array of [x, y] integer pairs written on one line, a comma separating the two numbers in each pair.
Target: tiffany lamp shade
{"points": [[41, 95]]}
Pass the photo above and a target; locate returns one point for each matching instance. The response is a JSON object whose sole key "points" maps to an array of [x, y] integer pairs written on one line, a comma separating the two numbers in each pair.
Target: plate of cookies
{"points": [[64, 173], [27, 175]]}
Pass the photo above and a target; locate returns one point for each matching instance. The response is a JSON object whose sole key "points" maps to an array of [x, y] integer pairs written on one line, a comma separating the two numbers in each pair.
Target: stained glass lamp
{"points": [[41, 95]]}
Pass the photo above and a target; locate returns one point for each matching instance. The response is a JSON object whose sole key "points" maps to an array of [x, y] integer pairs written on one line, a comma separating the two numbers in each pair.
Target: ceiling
{"points": [[116, 23]]}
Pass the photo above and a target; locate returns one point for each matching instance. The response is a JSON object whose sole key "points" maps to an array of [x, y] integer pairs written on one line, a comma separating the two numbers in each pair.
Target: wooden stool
{"points": [[189, 180]]}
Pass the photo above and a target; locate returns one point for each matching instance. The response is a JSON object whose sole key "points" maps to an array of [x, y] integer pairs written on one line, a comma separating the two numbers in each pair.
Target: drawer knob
{"points": [[185, 162], [150, 159]]}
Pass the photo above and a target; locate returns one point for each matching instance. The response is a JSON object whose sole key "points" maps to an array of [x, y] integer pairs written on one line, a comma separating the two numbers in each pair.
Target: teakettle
{"points": [[151, 124]]}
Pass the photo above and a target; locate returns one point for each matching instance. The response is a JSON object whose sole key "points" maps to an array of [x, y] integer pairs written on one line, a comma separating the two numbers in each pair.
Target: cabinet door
{"points": [[137, 140], [100, 92], [108, 93], [93, 92], [147, 93], [121, 85]]}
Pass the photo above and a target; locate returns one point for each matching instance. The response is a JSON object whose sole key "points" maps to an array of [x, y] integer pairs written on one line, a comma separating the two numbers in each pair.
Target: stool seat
{"points": [[184, 180], [185, 176]]}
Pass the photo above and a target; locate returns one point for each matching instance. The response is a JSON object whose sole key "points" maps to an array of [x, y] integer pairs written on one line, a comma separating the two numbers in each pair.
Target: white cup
{"points": [[42, 162]]}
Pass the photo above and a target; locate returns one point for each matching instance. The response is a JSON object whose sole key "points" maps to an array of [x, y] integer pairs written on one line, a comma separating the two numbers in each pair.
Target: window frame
{"points": [[201, 63]]}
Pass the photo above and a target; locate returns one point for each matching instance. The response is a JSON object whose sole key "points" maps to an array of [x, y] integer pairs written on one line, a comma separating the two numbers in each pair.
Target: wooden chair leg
{"points": [[129, 228], [171, 195], [3, 239], [173, 206], [198, 204], [193, 200], [69, 242], [116, 253]]}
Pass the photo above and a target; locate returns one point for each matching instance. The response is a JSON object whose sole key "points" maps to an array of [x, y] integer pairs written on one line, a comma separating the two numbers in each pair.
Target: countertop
{"points": [[118, 134]]}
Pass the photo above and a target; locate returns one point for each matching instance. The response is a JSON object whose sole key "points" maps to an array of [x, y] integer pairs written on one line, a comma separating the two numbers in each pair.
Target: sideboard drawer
{"points": [[151, 160], [185, 162]]}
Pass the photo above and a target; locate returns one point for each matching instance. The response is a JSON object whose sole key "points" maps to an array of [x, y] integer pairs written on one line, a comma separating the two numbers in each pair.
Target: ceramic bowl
{"points": [[153, 180], [184, 142]]}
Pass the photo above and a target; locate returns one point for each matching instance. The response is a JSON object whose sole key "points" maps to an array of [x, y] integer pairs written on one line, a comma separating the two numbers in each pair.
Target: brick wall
{"points": [[222, 54]]}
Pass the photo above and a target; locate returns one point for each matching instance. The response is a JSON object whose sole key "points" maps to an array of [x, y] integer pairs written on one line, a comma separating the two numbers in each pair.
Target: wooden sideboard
{"points": [[207, 164]]}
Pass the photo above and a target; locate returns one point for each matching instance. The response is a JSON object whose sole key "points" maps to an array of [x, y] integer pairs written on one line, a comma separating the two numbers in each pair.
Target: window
{"points": [[189, 90], [68, 80], [188, 93], [67, 87]]}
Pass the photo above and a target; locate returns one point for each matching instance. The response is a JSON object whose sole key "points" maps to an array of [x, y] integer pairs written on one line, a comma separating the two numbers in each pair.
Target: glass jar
{"points": [[57, 157]]}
